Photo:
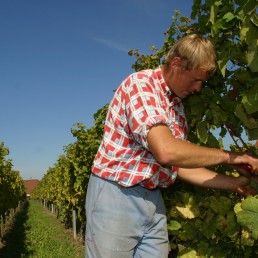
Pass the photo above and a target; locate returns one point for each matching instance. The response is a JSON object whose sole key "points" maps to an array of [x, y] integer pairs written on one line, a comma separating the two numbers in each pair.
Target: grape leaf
{"points": [[188, 254], [250, 100], [188, 212], [249, 214], [174, 225], [202, 131]]}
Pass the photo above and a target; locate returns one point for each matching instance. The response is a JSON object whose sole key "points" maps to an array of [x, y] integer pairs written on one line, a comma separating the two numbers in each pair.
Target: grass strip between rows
{"points": [[36, 233]]}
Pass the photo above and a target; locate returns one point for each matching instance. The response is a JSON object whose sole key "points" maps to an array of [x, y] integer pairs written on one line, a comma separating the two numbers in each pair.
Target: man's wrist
{"points": [[230, 157]]}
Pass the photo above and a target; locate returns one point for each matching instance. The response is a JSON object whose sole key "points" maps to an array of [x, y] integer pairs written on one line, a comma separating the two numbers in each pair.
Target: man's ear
{"points": [[175, 62]]}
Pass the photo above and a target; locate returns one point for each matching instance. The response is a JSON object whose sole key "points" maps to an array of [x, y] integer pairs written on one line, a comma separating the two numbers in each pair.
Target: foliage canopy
{"points": [[200, 224]]}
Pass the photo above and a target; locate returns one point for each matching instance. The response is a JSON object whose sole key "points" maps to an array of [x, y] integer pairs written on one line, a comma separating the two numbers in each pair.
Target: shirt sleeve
{"points": [[145, 108]]}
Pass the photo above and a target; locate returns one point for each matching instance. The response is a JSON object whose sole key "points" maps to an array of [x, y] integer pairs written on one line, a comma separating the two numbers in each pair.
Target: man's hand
{"points": [[245, 163], [243, 186]]}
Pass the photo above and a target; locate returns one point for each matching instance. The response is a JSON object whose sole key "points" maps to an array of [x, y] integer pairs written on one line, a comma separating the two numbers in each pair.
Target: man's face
{"points": [[184, 82]]}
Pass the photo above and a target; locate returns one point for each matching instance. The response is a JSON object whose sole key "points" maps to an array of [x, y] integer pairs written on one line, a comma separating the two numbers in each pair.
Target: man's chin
{"points": [[184, 96]]}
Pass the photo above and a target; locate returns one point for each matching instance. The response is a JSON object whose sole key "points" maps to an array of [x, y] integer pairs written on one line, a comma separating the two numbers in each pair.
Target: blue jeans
{"points": [[124, 222]]}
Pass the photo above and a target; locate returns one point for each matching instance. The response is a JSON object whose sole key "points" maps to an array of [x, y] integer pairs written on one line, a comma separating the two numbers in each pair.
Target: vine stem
{"points": [[249, 150]]}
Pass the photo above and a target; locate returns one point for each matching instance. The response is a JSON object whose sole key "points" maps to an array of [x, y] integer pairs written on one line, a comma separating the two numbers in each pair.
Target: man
{"points": [[144, 148]]}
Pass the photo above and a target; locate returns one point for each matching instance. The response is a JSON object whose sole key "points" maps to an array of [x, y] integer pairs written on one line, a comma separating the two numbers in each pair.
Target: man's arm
{"points": [[206, 178], [169, 151]]}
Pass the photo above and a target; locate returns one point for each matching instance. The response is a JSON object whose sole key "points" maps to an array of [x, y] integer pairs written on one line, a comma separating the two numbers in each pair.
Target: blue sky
{"points": [[60, 61]]}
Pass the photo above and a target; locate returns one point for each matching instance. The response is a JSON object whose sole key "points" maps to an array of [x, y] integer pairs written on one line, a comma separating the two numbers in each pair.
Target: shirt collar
{"points": [[173, 98]]}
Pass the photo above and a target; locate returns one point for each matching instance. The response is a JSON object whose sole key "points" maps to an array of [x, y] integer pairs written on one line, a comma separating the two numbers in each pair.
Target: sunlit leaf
{"points": [[174, 225], [202, 131], [249, 214], [188, 212], [229, 17], [188, 254], [223, 66]]}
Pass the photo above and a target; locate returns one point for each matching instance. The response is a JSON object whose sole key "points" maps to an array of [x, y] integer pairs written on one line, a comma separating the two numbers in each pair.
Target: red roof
{"points": [[30, 184]]}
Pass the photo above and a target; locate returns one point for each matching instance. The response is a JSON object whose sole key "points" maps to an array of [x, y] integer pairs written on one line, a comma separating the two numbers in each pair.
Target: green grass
{"points": [[37, 233]]}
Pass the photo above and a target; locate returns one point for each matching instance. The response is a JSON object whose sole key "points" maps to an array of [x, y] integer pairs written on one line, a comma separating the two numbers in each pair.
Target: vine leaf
{"points": [[188, 254], [188, 212], [249, 122], [174, 225], [220, 205], [202, 131], [252, 134], [247, 215], [250, 100], [223, 66], [196, 105]]}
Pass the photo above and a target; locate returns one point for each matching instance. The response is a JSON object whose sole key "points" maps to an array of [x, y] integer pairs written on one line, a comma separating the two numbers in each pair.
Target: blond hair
{"points": [[195, 52]]}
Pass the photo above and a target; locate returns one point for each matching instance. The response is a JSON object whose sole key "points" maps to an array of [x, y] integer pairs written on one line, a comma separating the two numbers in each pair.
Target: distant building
{"points": [[29, 185]]}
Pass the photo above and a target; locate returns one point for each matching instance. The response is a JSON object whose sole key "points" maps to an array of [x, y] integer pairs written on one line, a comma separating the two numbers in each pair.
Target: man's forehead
{"points": [[200, 74]]}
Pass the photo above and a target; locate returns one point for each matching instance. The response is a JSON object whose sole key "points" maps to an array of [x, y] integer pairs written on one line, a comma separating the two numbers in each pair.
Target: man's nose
{"points": [[197, 87]]}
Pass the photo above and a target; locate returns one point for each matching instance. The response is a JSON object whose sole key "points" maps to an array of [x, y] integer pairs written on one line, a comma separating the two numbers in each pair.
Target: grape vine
{"points": [[200, 224], [12, 189]]}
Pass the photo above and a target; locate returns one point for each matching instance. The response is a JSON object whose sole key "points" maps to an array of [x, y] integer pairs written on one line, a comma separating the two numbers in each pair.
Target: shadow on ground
{"points": [[13, 242]]}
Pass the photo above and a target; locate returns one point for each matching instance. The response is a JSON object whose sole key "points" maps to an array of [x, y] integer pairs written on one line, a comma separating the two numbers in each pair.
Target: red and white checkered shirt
{"points": [[141, 101]]}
